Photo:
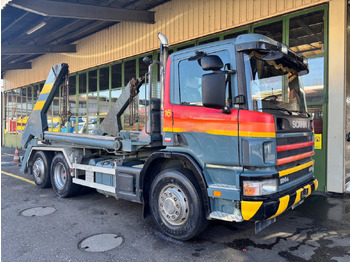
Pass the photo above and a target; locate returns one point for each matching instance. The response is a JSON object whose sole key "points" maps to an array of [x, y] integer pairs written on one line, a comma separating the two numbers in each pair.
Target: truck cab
{"points": [[238, 108]]}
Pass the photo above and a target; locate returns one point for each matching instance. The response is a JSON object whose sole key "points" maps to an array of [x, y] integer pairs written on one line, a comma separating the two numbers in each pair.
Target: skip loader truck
{"points": [[228, 138]]}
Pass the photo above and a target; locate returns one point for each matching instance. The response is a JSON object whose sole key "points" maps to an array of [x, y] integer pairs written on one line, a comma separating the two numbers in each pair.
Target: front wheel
{"points": [[62, 182], [176, 204]]}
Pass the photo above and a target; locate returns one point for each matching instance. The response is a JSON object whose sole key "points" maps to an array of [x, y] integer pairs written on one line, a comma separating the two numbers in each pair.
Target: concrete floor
{"points": [[318, 230]]}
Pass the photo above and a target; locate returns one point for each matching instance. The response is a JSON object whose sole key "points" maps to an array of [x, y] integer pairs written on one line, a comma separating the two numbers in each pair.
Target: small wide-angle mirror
{"points": [[211, 62]]}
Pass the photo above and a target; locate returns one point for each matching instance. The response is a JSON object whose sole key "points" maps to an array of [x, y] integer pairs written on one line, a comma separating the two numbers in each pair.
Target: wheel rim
{"points": [[38, 170], [173, 205], [60, 175]]}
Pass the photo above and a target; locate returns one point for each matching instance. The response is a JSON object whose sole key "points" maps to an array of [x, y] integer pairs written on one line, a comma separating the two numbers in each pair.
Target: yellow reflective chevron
{"points": [[282, 206], [308, 187], [47, 88], [298, 196], [39, 105], [249, 208]]}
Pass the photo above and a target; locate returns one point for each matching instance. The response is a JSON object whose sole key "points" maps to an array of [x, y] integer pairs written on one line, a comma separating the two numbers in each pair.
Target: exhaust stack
{"points": [[164, 53]]}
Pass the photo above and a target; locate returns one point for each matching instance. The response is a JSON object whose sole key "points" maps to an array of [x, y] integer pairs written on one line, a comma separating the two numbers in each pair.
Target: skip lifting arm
{"points": [[37, 122], [112, 125]]}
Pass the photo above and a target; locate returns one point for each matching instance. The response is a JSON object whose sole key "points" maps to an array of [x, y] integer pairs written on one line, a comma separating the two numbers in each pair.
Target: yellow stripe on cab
{"points": [[295, 169]]}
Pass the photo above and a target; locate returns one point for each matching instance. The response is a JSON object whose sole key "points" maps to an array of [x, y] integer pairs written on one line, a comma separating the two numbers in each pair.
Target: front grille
{"points": [[294, 156], [293, 164], [293, 140], [293, 152], [295, 175]]}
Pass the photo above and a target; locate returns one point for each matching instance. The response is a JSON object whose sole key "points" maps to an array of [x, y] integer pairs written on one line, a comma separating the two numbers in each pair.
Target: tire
{"points": [[62, 181], [176, 204], [41, 169]]}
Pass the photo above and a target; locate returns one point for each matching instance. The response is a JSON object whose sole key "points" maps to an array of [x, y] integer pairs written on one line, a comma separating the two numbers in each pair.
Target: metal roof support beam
{"points": [[134, 4], [3, 30], [36, 49], [81, 11], [16, 66]]}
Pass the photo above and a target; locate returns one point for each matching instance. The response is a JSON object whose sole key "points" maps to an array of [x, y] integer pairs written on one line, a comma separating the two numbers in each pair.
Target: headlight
{"points": [[259, 188]]}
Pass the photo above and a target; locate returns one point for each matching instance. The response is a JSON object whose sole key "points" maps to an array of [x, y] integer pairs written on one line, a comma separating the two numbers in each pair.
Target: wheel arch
{"points": [[160, 161], [70, 154], [48, 154]]}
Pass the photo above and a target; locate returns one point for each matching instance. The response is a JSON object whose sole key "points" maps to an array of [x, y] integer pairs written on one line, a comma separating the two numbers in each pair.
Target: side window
{"points": [[190, 74], [190, 79]]}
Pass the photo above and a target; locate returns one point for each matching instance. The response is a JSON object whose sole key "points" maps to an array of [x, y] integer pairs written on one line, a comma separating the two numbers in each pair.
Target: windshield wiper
{"points": [[277, 108], [301, 112]]}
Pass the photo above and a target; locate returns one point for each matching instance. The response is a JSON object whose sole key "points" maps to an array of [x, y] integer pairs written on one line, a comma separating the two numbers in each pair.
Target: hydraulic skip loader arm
{"points": [[112, 124], [107, 135], [37, 122]]}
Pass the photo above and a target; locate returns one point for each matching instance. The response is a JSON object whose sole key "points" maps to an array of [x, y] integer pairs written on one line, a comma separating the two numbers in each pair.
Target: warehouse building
{"points": [[104, 42]]}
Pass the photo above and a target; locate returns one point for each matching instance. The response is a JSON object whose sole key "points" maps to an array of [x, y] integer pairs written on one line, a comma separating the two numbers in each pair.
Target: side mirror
{"points": [[146, 60], [211, 62], [213, 90]]}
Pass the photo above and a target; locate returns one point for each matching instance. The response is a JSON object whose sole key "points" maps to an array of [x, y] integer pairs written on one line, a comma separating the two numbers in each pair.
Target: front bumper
{"points": [[272, 207]]}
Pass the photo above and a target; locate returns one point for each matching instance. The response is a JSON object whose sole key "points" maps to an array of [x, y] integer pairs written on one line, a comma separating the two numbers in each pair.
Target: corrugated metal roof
{"points": [[18, 25]]}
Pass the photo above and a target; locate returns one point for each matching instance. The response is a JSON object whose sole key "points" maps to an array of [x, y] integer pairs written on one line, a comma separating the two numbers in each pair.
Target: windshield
{"points": [[273, 87]]}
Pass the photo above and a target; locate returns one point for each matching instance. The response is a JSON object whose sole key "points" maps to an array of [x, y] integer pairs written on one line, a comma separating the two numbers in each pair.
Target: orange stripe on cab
{"points": [[256, 124]]}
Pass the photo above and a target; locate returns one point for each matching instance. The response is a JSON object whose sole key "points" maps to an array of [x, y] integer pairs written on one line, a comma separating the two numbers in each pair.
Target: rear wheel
{"points": [[177, 205], [62, 181], [41, 169]]}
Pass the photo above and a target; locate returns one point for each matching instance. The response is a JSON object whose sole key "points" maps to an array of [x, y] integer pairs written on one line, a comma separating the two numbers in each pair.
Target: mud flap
{"points": [[262, 224]]}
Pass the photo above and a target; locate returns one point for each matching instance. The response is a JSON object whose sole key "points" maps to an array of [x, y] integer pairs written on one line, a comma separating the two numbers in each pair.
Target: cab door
{"points": [[208, 134]]}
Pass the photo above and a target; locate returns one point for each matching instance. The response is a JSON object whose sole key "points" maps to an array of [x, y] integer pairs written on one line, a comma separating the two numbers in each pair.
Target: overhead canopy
{"points": [[33, 28]]}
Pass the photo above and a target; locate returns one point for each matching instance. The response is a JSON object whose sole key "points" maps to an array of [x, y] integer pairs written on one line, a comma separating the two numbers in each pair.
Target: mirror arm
{"points": [[229, 72], [226, 110], [239, 100]]}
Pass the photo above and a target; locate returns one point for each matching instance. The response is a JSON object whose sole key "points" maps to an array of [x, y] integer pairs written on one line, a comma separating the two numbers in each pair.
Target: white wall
{"points": [[336, 102]]}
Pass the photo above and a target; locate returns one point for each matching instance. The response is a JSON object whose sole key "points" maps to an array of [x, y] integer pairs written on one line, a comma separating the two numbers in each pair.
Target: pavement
{"points": [[36, 225]]}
